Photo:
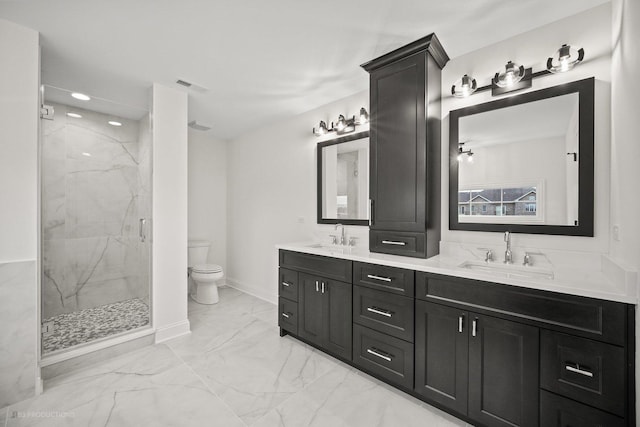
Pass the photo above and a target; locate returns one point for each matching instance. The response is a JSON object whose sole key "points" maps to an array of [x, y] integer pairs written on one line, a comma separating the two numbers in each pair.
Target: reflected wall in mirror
{"points": [[525, 163], [343, 180]]}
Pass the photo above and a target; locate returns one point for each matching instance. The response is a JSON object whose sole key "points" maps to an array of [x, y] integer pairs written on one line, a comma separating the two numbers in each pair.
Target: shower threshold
{"points": [[84, 326]]}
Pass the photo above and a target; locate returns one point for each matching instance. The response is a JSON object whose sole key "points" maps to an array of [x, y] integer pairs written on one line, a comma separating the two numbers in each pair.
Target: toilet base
{"points": [[205, 293]]}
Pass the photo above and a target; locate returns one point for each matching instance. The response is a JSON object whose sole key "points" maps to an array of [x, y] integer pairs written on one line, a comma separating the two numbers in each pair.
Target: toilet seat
{"points": [[206, 268]]}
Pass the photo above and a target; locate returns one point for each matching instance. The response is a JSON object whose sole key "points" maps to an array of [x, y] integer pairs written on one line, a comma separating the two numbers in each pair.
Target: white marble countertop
{"points": [[571, 281]]}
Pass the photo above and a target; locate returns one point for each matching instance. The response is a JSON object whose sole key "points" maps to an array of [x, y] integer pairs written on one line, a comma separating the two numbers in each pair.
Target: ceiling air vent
{"points": [[191, 86], [198, 126], [183, 83]]}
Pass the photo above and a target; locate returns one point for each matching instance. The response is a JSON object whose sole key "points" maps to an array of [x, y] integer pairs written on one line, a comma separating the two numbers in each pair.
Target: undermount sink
{"points": [[508, 270], [331, 248]]}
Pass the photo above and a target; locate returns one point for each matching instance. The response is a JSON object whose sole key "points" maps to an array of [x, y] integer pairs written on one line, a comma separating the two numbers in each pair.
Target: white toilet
{"points": [[203, 276]]}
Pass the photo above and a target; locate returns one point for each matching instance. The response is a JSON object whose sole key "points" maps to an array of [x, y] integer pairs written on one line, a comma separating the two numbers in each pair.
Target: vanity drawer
{"points": [[384, 312], [390, 279], [398, 243], [288, 284], [386, 356], [585, 370], [558, 411], [589, 317], [288, 315], [331, 268]]}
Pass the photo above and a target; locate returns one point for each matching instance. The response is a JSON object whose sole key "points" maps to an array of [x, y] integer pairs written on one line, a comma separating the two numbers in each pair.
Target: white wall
{"points": [[591, 30], [169, 124], [625, 158], [19, 105], [19, 79], [272, 194], [208, 194], [625, 174]]}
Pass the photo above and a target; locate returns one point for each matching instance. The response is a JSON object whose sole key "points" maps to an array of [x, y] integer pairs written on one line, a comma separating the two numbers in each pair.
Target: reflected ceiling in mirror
{"points": [[343, 180], [525, 163]]}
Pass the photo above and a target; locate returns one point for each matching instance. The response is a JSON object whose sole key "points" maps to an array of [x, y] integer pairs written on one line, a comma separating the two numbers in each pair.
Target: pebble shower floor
{"points": [[94, 323]]}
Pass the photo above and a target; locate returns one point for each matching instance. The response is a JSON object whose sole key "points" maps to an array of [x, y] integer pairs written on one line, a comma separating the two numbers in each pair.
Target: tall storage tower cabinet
{"points": [[405, 149]]}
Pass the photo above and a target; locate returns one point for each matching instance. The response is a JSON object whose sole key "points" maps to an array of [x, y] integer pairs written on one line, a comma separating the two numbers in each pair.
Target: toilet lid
{"points": [[206, 268]]}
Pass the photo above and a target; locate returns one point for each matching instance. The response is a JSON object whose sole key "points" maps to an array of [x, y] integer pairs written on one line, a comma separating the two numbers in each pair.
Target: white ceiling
{"points": [[262, 61]]}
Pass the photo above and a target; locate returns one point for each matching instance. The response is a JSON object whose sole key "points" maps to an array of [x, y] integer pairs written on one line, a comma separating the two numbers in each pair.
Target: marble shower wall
{"points": [[95, 187]]}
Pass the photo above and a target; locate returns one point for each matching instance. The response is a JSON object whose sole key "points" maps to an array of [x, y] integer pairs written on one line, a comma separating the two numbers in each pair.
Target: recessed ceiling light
{"points": [[74, 115], [81, 96], [114, 123]]}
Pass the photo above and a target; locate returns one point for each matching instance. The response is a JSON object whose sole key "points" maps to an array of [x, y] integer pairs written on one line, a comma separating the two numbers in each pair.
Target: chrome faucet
{"points": [[508, 256], [343, 239]]}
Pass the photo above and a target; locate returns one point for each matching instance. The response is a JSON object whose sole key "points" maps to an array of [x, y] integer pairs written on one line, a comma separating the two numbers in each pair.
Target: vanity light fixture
{"points": [[464, 87], [74, 115], [114, 123], [364, 116], [342, 125], [322, 129], [566, 58], [516, 77], [81, 96], [462, 152]]}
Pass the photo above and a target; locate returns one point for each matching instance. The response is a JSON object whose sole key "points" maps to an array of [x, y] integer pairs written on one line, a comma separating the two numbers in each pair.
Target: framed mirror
{"points": [[343, 180], [524, 163]]}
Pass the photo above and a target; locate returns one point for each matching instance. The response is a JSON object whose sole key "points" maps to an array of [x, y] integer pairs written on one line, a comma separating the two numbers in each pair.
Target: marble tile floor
{"points": [[90, 324], [232, 370]]}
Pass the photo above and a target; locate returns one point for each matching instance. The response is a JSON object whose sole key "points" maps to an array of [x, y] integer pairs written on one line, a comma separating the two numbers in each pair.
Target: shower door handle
{"points": [[143, 235]]}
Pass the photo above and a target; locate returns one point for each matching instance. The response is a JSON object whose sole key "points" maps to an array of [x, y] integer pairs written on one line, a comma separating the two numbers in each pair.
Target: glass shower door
{"points": [[96, 202]]}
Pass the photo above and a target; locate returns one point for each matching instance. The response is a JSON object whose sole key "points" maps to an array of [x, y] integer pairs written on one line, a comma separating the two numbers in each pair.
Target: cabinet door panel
{"points": [[441, 355], [557, 411], [398, 145], [503, 372], [338, 319], [310, 309]]}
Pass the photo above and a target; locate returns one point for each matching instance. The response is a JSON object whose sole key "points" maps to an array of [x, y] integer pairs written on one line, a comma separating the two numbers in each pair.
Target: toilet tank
{"points": [[198, 252]]}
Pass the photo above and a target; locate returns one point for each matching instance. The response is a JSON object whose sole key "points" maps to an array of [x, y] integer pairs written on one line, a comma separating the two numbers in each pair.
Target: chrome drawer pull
{"points": [[377, 353], [317, 288], [323, 287], [286, 284], [285, 315], [380, 311], [460, 324], [577, 370], [474, 326], [384, 279], [393, 242]]}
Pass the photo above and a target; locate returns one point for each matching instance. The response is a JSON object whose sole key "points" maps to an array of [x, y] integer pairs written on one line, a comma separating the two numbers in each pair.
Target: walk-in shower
{"points": [[95, 210]]}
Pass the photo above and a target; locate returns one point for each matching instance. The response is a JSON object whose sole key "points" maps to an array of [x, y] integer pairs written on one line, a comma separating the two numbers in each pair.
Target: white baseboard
{"points": [[251, 290], [174, 330]]}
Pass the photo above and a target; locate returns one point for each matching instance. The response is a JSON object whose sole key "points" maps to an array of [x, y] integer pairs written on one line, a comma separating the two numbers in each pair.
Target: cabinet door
{"points": [[398, 145], [310, 309], [337, 317], [503, 372], [441, 351]]}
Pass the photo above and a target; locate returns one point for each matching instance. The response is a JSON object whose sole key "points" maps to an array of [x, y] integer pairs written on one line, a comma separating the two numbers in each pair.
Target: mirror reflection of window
{"points": [[518, 203]]}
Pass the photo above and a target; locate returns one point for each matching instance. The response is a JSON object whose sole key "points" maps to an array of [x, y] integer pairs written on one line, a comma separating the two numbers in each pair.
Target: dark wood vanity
{"points": [[490, 354], [494, 355]]}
